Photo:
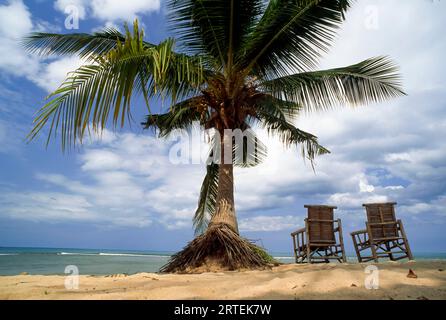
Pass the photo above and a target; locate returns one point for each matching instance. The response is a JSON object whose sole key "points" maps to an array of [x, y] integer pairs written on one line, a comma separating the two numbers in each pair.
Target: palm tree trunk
{"points": [[225, 209], [221, 244]]}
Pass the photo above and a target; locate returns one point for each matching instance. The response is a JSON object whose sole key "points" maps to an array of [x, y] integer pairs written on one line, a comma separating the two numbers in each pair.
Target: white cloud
{"points": [[117, 9], [47, 206], [110, 10], [392, 151], [65, 5], [15, 19], [127, 180], [396, 157], [269, 223], [52, 74], [15, 23], [354, 200], [364, 186]]}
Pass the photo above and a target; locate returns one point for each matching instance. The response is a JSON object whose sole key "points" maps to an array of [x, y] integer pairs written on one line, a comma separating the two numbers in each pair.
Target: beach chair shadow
{"points": [[321, 239], [384, 236]]}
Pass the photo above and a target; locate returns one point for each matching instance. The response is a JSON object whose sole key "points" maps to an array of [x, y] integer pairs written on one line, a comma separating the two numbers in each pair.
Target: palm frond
{"points": [[288, 133], [207, 200], [247, 149], [292, 35], [215, 27], [102, 91], [286, 110], [250, 152], [372, 80], [180, 116], [86, 46]]}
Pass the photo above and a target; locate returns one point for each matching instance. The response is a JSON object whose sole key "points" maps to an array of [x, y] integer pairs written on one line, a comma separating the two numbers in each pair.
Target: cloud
{"points": [[391, 151], [269, 223], [16, 22], [110, 10], [116, 9], [47, 206], [64, 6], [126, 180], [52, 74]]}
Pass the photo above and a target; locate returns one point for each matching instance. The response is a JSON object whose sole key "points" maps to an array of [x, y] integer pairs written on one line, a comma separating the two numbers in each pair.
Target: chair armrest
{"points": [[321, 220], [358, 232], [384, 223], [302, 230]]}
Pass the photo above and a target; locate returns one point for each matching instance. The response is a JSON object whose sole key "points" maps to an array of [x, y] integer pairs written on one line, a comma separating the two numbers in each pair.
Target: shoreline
{"points": [[324, 281]]}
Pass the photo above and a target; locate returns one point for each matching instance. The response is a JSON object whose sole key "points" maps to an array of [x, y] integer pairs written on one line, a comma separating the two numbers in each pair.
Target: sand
{"points": [[327, 281]]}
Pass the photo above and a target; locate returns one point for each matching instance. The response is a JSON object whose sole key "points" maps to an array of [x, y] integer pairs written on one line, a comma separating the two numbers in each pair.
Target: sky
{"points": [[121, 191]]}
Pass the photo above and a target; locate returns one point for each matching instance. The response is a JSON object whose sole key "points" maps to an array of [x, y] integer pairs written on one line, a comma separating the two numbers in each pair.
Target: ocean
{"points": [[54, 261]]}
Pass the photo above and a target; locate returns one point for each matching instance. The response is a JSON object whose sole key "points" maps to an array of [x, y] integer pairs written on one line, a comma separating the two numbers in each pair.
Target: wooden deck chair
{"points": [[384, 235], [317, 242]]}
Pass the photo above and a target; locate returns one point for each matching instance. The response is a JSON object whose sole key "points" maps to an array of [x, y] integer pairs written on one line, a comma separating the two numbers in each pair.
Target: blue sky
{"points": [[122, 192]]}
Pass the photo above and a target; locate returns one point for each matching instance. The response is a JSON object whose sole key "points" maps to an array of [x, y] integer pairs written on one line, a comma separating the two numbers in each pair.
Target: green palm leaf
{"points": [[215, 27], [372, 80], [207, 200], [102, 91], [86, 46], [291, 35], [276, 123], [180, 116]]}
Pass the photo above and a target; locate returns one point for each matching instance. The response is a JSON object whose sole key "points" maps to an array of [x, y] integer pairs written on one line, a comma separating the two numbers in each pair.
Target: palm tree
{"points": [[233, 64]]}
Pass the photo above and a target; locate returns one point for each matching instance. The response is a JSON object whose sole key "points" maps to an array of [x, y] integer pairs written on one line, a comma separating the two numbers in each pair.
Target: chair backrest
{"points": [[321, 231], [381, 213]]}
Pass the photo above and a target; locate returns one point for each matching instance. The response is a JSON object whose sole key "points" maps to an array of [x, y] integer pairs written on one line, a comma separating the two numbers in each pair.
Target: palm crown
{"points": [[234, 63]]}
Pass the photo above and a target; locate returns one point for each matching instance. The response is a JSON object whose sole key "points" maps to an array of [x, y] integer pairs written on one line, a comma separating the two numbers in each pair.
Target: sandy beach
{"points": [[327, 281]]}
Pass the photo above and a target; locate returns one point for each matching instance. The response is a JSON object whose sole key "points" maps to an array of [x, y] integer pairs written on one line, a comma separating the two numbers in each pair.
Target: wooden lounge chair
{"points": [[384, 235], [317, 242]]}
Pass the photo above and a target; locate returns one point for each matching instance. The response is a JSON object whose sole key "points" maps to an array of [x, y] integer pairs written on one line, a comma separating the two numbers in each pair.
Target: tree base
{"points": [[218, 249]]}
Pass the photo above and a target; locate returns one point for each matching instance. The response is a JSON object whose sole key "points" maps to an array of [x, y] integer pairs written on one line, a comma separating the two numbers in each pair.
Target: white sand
{"points": [[327, 281]]}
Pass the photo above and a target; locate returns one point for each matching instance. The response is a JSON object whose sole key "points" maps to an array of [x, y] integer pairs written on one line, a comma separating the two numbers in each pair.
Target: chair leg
{"points": [[390, 251], [341, 241], [309, 255], [307, 234], [355, 245], [372, 243], [294, 247], [408, 251], [406, 242], [374, 254]]}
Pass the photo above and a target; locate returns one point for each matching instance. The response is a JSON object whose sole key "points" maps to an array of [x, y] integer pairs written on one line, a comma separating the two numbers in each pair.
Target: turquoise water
{"points": [[46, 261]]}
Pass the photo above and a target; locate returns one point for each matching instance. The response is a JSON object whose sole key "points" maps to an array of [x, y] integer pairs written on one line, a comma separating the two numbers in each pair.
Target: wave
{"points": [[133, 255], [111, 254], [9, 254], [75, 254], [124, 255], [283, 257]]}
